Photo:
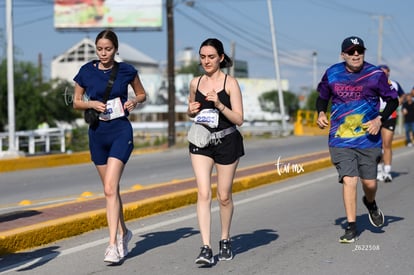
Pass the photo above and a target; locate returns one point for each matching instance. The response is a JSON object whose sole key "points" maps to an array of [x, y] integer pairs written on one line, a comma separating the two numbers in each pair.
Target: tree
{"points": [[269, 101], [35, 102], [193, 68], [59, 100], [311, 101]]}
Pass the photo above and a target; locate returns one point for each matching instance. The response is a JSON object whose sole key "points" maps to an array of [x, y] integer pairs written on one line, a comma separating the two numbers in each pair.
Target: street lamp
{"points": [[171, 73]]}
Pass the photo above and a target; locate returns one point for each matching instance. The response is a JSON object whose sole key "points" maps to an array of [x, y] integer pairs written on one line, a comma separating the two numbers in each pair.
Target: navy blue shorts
{"points": [[227, 151], [112, 138]]}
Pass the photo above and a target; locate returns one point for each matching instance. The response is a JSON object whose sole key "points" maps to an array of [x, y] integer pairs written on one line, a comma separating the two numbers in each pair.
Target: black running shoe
{"points": [[388, 178], [206, 256], [350, 236], [225, 252], [376, 217]]}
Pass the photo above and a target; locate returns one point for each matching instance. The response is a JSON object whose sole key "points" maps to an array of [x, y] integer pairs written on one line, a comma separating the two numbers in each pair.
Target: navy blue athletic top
{"points": [[205, 104], [94, 81]]}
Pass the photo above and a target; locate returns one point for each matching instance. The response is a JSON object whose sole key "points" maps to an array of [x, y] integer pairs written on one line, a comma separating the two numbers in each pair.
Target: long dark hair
{"points": [[214, 42], [108, 34]]}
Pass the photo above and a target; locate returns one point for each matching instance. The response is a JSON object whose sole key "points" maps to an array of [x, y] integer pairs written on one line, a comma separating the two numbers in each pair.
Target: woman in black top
{"points": [[216, 98]]}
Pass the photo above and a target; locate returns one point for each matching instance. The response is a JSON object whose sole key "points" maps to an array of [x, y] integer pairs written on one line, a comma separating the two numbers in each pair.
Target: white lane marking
{"points": [[149, 228]]}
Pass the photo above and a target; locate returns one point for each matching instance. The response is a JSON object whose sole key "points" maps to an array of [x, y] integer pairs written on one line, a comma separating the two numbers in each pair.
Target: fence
{"points": [[30, 141], [41, 141]]}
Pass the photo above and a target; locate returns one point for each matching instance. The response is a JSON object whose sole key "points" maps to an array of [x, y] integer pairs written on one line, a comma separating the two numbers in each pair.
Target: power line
{"points": [[233, 29], [339, 7], [33, 21], [212, 30], [261, 47], [399, 31]]}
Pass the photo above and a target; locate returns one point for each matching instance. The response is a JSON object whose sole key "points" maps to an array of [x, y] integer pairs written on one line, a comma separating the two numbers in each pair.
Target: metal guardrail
{"points": [[28, 141], [40, 141]]}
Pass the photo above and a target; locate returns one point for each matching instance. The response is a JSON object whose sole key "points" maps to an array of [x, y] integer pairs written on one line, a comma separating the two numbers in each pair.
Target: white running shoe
{"points": [[112, 255], [123, 244], [380, 176]]}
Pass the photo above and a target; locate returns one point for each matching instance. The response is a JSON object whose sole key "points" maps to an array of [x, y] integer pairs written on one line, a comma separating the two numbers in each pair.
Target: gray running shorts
{"points": [[355, 162]]}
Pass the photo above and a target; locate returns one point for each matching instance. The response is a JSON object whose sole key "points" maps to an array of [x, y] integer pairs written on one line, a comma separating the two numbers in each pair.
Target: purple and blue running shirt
{"points": [[355, 101]]}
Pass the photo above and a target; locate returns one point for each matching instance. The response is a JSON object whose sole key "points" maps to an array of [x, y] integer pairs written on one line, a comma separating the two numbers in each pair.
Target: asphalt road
{"points": [[287, 228], [59, 184]]}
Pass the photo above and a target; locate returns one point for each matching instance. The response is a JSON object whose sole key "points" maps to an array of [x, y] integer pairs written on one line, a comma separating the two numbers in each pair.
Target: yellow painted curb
{"points": [[35, 162], [54, 160]]}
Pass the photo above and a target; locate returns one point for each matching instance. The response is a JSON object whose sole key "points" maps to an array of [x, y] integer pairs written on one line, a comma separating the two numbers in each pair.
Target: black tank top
{"points": [[224, 98]]}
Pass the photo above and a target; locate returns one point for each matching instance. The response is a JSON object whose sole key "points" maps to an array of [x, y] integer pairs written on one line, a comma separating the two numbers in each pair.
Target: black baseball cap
{"points": [[352, 42]]}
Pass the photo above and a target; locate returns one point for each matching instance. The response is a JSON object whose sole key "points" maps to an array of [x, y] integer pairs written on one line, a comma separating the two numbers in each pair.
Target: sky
{"points": [[307, 32]]}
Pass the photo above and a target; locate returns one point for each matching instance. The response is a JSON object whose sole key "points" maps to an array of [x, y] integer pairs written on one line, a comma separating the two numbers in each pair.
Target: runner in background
{"points": [[387, 132], [408, 112]]}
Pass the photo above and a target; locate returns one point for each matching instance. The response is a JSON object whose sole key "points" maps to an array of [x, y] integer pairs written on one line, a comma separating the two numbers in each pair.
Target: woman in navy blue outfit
{"points": [[111, 142], [216, 97]]}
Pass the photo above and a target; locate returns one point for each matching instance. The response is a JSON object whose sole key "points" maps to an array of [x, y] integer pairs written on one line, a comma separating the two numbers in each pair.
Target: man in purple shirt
{"points": [[355, 88]]}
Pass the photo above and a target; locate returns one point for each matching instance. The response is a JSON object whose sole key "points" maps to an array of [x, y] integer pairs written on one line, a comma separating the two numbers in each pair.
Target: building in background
{"points": [[66, 65], [153, 77]]}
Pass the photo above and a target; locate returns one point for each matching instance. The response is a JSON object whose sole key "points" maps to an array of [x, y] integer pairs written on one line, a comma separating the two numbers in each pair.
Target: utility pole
{"points": [[171, 73], [380, 34], [276, 61], [233, 57], [10, 78], [315, 69], [40, 66]]}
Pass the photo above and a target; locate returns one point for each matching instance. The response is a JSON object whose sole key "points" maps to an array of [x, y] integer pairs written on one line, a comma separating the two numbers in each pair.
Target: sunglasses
{"points": [[352, 51]]}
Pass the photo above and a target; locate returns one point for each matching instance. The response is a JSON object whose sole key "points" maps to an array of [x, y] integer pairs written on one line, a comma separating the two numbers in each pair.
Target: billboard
{"points": [[90, 14]]}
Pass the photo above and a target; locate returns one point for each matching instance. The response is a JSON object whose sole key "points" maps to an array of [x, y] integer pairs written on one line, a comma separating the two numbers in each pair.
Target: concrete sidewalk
{"points": [[39, 226]]}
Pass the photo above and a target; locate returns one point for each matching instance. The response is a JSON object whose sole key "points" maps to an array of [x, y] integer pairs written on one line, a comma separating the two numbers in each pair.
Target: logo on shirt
{"points": [[351, 127], [348, 91]]}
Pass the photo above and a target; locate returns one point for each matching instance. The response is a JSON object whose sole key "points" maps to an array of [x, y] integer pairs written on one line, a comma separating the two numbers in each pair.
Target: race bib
{"points": [[114, 109], [209, 117]]}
